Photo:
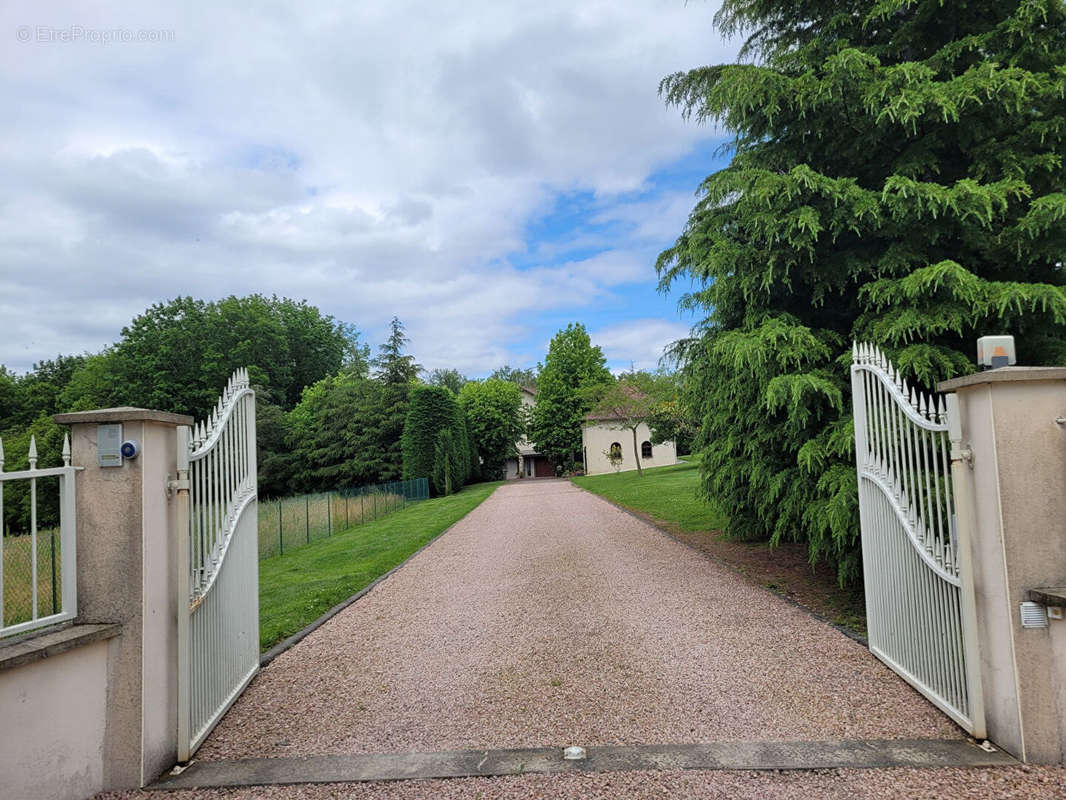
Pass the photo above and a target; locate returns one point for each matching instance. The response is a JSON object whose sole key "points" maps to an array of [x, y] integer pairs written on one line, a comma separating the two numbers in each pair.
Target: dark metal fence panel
{"points": [[292, 522]]}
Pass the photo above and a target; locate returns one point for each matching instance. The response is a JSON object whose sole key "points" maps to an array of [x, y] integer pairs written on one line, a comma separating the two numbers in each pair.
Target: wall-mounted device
{"points": [[109, 445], [996, 351], [131, 448]]}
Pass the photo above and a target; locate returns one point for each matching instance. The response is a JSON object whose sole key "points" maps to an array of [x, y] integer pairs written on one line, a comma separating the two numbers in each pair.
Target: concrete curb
{"points": [[833, 754], [858, 637], [286, 644]]}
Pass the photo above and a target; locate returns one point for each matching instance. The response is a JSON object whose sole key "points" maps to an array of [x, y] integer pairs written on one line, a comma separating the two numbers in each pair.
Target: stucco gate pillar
{"points": [[126, 575], [1014, 422]]}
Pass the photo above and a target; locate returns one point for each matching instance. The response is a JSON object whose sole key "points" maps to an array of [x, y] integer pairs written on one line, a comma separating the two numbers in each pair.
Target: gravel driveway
{"points": [[548, 617]]}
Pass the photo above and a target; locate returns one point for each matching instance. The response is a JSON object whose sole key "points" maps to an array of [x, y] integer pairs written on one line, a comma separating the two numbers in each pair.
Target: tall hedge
{"points": [[898, 177], [434, 441]]}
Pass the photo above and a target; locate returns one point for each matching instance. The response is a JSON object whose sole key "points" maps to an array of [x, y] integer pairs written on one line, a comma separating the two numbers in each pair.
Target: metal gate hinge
{"points": [[961, 452], [176, 485]]}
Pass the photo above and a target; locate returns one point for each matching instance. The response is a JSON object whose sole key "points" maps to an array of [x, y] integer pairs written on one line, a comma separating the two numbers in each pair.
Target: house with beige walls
{"points": [[607, 445], [529, 463]]}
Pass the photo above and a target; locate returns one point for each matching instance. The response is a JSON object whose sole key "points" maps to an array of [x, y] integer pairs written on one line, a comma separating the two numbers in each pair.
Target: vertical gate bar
{"points": [[929, 632], [920, 483], [907, 591], [961, 646], [917, 484], [201, 508], [859, 394], [932, 512], [194, 513], [209, 527], [924, 649], [907, 466], [963, 481], [68, 541], [1, 537], [950, 481], [891, 551], [873, 458], [226, 449], [216, 486], [912, 621], [211, 478], [52, 541], [949, 658], [182, 520], [882, 423], [873, 603], [897, 454], [33, 536]]}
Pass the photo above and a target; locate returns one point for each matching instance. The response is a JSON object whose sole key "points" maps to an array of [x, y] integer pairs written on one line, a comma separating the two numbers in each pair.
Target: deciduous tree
{"points": [[452, 378], [519, 377], [571, 368], [493, 411]]}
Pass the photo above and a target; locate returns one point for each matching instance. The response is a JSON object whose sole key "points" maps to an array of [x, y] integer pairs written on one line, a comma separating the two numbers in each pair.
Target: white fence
{"points": [[218, 618], [22, 608], [918, 580]]}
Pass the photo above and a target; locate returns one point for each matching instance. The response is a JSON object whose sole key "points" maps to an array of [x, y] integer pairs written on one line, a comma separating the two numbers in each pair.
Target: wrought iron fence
{"points": [[292, 522], [37, 567]]}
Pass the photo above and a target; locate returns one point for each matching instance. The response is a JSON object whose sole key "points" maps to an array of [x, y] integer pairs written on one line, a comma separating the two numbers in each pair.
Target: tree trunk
{"points": [[636, 453]]}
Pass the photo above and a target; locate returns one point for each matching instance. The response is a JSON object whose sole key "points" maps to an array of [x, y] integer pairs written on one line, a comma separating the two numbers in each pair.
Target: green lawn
{"points": [[298, 587], [667, 493]]}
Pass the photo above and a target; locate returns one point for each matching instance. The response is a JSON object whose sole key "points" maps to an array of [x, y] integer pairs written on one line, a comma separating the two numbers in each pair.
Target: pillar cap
{"points": [[1004, 375], [123, 414]]}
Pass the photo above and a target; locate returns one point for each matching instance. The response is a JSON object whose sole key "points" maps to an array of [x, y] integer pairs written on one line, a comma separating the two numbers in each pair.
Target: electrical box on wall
{"points": [[109, 445]]}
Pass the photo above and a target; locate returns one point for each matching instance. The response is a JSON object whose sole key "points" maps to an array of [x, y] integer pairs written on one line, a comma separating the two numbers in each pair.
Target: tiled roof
{"points": [[618, 412]]}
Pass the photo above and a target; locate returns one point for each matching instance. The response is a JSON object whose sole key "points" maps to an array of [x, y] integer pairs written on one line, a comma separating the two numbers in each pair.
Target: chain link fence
{"points": [[17, 569], [18, 575], [292, 522]]}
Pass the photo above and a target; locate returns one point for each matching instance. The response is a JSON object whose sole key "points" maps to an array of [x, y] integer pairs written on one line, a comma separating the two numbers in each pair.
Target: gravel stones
{"points": [[548, 617]]}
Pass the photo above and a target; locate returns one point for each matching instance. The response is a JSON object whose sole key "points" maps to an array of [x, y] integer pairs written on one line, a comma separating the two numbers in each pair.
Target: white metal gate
{"points": [[218, 578], [916, 561]]}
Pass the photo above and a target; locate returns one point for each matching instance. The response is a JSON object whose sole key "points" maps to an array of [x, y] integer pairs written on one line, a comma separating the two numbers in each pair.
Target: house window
{"points": [[616, 451], [645, 450]]}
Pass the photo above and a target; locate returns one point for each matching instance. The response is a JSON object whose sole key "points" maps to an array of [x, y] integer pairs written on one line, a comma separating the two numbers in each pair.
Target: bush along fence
{"points": [[291, 522]]}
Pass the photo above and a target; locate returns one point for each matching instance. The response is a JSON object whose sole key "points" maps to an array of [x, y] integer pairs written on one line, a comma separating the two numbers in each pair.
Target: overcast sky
{"points": [[485, 171]]}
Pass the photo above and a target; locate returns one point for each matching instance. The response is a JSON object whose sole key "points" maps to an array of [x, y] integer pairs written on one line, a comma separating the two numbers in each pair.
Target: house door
{"points": [[543, 468]]}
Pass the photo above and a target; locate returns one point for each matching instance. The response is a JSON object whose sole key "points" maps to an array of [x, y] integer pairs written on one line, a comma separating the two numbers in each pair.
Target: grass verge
{"points": [[297, 588], [667, 497], [665, 493]]}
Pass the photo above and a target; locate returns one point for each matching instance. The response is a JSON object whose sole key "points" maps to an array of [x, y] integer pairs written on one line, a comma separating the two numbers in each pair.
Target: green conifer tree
{"points": [[897, 177], [435, 443]]}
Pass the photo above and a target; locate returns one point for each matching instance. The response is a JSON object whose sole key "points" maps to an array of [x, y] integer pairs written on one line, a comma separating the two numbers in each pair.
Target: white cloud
{"points": [[378, 158], [638, 343]]}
